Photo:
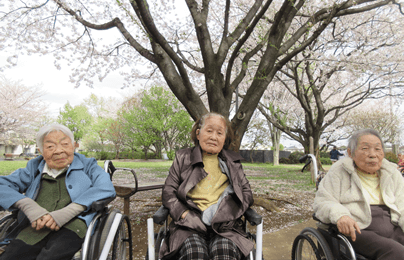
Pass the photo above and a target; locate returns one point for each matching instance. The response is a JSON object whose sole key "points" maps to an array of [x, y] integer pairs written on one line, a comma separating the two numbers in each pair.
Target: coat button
{"points": [[70, 186]]}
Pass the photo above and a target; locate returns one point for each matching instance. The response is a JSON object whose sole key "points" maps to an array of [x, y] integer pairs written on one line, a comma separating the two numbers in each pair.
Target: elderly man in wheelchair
{"points": [[53, 195], [363, 194]]}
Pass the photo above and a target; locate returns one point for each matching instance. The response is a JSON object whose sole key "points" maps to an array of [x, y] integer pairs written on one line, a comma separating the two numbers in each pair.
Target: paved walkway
{"points": [[278, 245]]}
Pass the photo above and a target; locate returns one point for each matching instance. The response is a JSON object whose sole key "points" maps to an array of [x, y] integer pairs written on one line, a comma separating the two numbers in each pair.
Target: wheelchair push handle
{"points": [[311, 158]]}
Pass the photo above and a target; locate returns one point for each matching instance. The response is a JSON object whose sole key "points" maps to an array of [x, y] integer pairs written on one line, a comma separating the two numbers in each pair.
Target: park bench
{"points": [[9, 156], [127, 190]]}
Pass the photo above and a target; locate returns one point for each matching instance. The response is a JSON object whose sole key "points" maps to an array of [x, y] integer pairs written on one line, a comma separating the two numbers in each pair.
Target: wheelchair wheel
{"points": [[100, 236], [122, 237], [310, 244], [5, 224], [159, 241]]}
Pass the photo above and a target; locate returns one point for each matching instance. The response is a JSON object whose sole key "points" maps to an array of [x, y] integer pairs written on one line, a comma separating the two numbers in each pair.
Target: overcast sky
{"points": [[34, 70]]}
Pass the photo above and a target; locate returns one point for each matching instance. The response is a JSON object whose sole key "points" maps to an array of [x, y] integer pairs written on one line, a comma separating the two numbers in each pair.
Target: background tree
{"points": [[156, 119], [256, 135], [115, 134], [102, 111], [196, 52], [339, 71], [76, 118], [377, 117], [21, 107]]}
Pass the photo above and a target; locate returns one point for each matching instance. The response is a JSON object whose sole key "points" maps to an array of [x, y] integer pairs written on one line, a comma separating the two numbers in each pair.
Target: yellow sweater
{"points": [[208, 190], [371, 185]]}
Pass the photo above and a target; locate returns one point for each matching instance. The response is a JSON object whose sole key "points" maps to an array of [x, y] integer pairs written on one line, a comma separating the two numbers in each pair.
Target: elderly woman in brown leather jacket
{"points": [[206, 193]]}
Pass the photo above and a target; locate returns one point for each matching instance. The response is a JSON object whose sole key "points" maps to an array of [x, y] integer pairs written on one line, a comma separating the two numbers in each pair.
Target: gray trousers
{"points": [[381, 240]]}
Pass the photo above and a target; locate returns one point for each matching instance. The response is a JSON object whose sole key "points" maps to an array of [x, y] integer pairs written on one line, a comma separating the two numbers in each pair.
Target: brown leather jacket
{"points": [[185, 172]]}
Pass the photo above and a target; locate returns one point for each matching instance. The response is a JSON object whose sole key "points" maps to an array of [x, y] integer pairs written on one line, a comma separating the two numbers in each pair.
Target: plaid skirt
{"points": [[198, 247]]}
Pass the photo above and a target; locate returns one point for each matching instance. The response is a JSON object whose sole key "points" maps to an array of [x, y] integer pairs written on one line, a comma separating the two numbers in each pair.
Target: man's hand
{"points": [[348, 226], [45, 221]]}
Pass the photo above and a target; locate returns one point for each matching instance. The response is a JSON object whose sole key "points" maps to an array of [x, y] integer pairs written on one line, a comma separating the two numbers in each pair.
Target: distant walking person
{"points": [[334, 154]]}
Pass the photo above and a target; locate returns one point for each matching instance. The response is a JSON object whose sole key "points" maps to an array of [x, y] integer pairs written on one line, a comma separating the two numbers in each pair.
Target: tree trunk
{"points": [[276, 140]]}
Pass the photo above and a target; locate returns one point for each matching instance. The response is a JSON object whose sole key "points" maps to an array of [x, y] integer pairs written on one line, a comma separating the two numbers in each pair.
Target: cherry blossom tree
{"points": [[343, 69], [21, 109], [203, 49]]}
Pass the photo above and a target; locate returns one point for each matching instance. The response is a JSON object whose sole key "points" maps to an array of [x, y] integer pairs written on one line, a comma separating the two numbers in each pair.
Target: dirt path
{"points": [[278, 245]]}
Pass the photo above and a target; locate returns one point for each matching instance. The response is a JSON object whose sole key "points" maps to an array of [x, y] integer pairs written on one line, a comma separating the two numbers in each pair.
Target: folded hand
{"points": [[45, 221]]}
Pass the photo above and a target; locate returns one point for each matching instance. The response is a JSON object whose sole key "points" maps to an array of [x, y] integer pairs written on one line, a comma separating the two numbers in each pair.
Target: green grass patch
{"points": [[288, 175], [7, 167], [137, 165], [255, 172]]}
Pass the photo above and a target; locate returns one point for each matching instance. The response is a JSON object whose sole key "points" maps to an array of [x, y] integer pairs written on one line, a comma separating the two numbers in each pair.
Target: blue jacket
{"points": [[334, 154], [86, 182]]}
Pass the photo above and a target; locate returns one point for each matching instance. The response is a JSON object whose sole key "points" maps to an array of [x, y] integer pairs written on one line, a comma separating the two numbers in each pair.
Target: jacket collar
{"points": [[77, 163], [196, 155]]}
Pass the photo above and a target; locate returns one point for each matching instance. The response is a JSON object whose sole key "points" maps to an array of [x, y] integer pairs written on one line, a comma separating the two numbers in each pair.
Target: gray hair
{"points": [[210, 114], [45, 130], [353, 141]]}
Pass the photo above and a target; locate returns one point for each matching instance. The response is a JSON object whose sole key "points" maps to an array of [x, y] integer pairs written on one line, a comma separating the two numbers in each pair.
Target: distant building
{"points": [[294, 149]]}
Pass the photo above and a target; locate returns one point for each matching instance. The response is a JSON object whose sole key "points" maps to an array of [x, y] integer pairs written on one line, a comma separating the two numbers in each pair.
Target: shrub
{"points": [[392, 157], [325, 154], [131, 155], [325, 161], [294, 157], [171, 155], [284, 160], [86, 154]]}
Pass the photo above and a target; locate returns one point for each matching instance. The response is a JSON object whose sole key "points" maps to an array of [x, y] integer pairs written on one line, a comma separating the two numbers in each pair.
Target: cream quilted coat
{"points": [[340, 193]]}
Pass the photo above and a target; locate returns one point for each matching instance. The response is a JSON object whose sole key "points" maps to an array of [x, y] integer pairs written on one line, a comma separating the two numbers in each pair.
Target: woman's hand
{"points": [[184, 214], [348, 226], [47, 221]]}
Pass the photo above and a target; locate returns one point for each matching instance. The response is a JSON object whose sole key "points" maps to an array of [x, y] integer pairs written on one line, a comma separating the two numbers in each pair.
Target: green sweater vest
{"points": [[53, 195]]}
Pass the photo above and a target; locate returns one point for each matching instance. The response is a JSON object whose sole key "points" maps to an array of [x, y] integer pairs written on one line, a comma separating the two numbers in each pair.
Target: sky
{"points": [[39, 70]]}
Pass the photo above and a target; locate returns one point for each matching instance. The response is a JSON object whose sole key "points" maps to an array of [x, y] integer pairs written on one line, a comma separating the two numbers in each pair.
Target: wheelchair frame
{"points": [[161, 218]]}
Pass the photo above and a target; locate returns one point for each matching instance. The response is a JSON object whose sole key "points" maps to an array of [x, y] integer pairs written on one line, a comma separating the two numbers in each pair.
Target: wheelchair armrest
{"points": [[161, 215], [332, 228], [99, 205], [253, 217]]}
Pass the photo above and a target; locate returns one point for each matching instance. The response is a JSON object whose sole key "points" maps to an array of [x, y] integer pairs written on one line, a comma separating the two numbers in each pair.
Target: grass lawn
{"points": [[266, 171], [7, 167]]}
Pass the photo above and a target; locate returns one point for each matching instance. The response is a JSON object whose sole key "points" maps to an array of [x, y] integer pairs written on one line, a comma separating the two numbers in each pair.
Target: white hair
{"points": [[353, 141], [45, 130]]}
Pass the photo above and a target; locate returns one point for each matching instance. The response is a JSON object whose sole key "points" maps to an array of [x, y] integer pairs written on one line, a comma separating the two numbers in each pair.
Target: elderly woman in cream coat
{"points": [[363, 194]]}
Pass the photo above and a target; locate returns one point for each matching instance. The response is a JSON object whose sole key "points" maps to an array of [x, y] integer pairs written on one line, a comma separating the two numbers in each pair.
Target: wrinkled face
{"points": [[58, 150], [369, 154], [212, 135]]}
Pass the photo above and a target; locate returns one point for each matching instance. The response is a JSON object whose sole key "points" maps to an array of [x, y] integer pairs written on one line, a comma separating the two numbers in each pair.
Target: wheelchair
{"points": [[107, 236], [323, 243], [155, 240]]}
